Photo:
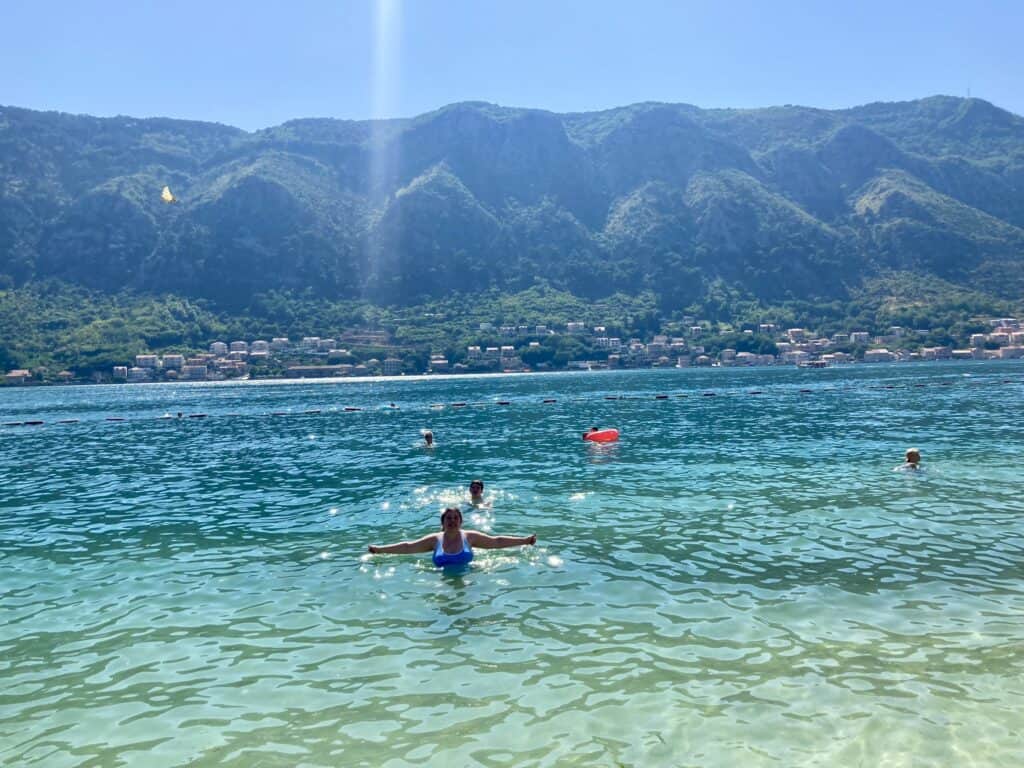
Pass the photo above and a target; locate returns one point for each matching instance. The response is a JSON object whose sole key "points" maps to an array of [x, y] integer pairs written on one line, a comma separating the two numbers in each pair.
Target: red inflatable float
{"points": [[601, 435]]}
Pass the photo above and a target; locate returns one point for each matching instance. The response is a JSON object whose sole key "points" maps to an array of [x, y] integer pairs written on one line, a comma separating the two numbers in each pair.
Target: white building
{"points": [[173, 362], [138, 373], [279, 344], [219, 348], [260, 347], [860, 337], [147, 361], [238, 346], [392, 366], [878, 356]]}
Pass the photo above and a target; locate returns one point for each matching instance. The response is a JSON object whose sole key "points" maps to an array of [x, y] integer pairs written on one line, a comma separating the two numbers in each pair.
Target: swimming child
{"points": [[452, 546]]}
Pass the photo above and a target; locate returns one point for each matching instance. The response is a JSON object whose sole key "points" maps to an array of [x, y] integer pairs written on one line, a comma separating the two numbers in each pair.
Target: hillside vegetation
{"points": [[699, 211]]}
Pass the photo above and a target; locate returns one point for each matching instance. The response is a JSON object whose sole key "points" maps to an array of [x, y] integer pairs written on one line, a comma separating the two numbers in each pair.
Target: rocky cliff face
{"points": [[781, 203]]}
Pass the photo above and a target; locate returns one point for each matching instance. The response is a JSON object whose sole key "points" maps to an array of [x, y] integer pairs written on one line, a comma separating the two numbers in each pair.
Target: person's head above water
{"points": [[476, 490], [913, 456], [428, 437], [451, 519]]}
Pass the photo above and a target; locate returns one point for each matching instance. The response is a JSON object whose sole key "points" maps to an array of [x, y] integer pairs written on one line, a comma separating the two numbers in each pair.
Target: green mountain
{"points": [[785, 203]]}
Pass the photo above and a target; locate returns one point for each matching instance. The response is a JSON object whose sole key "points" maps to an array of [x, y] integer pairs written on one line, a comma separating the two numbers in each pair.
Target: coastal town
{"points": [[523, 348]]}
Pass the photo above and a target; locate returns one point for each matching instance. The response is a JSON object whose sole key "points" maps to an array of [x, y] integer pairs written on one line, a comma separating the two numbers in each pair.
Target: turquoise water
{"points": [[740, 580]]}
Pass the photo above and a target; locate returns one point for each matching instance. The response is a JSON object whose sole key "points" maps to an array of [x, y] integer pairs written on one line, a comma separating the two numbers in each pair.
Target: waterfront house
{"points": [[936, 353], [147, 361], [173, 362], [882, 355], [18, 376], [194, 372], [218, 348], [392, 366]]}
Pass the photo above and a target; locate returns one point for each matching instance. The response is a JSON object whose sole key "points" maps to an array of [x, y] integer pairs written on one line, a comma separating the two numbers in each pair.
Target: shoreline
{"points": [[483, 374]]}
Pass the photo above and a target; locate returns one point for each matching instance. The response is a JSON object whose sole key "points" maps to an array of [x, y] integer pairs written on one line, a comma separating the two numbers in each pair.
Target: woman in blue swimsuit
{"points": [[452, 546]]}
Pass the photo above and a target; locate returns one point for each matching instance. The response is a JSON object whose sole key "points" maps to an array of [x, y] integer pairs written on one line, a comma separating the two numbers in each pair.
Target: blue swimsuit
{"points": [[442, 558]]}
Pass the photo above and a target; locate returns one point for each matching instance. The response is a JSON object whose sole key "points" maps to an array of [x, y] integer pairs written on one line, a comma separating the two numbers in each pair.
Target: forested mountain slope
{"points": [[777, 204]]}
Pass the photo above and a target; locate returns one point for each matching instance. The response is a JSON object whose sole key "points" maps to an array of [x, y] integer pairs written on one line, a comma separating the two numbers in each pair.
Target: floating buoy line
{"points": [[664, 396]]}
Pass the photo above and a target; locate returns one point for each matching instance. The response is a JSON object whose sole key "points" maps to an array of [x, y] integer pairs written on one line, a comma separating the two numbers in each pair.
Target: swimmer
{"points": [[428, 438], [592, 429], [913, 462], [476, 493], [452, 546]]}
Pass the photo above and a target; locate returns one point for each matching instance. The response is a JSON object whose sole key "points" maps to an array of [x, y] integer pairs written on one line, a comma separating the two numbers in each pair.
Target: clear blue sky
{"points": [[255, 64]]}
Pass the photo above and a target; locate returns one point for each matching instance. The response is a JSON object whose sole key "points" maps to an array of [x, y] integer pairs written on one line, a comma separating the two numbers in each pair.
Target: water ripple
{"points": [[740, 580]]}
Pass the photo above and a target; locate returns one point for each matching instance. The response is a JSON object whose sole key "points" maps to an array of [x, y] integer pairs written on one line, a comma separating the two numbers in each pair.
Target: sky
{"points": [[257, 64]]}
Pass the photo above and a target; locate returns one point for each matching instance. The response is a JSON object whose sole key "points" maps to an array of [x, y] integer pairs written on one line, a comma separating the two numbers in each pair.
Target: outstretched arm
{"points": [[484, 541], [426, 544]]}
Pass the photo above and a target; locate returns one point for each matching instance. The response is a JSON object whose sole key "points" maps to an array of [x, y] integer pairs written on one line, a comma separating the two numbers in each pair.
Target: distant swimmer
{"points": [[476, 493], [913, 462], [452, 546], [428, 438]]}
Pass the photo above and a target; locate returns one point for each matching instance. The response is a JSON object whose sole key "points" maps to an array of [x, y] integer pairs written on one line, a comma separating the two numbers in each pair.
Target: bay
{"points": [[741, 579]]}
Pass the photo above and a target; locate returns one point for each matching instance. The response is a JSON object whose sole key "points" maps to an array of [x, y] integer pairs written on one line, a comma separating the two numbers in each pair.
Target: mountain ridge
{"points": [[660, 197]]}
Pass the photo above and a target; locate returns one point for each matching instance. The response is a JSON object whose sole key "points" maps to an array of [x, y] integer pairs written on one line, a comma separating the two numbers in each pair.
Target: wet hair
{"points": [[428, 436], [913, 452], [476, 482], [456, 510]]}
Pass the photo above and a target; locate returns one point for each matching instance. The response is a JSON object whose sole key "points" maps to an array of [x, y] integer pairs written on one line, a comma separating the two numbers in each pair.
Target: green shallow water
{"points": [[741, 580]]}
